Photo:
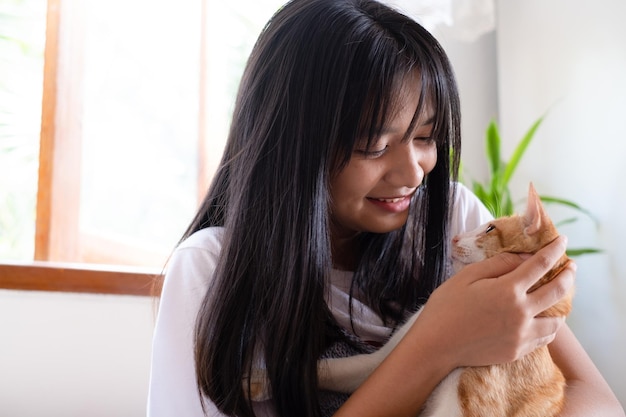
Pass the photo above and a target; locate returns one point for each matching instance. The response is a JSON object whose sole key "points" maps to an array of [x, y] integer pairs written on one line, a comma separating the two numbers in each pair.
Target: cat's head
{"points": [[520, 233]]}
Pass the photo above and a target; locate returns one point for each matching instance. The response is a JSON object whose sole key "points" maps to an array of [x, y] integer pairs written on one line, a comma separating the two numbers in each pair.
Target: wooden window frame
{"points": [[80, 278], [57, 237]]}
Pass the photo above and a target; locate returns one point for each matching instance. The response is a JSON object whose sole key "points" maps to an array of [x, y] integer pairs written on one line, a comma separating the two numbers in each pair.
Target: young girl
{"points": [[329, 221]]}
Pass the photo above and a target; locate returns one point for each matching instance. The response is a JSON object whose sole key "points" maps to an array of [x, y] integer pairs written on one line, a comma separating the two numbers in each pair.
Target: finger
{"points": [[545, 329], [549, 294], [542, 341], [541, 332], [540, 263], [495, 266]]}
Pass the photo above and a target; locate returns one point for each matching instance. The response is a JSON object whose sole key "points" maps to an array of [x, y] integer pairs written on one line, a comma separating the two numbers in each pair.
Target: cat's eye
{"points": [[490, 228]]}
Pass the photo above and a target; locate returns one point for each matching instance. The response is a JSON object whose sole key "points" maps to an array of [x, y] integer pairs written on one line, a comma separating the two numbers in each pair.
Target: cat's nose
{"points": [[455, 239]]}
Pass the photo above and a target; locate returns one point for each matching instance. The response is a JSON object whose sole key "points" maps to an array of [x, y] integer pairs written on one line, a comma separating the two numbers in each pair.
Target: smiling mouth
{"points": [[393, 205], [390, 200]]}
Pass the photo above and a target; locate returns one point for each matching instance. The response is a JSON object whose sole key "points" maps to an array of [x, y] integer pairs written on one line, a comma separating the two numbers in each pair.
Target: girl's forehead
{"points": [[410, 96]]}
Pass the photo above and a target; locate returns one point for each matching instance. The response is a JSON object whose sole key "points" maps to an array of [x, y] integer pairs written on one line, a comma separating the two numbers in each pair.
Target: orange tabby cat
{"points": [[532, 386]]}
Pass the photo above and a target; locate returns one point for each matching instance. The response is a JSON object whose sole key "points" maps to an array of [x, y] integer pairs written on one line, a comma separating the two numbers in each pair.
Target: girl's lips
{"points": [[392, 205]]}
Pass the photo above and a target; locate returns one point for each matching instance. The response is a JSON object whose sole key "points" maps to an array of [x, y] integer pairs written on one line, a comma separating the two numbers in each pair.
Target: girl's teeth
{"points": [[389, 200]]}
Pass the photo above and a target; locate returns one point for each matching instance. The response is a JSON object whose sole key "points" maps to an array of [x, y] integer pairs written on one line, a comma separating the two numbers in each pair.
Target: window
{"points": [[136, 96], [22, 35]]}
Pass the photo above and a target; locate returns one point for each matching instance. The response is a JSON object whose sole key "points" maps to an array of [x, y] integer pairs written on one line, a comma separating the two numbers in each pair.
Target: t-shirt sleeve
{"points": [[468, 211], [173, 390]]}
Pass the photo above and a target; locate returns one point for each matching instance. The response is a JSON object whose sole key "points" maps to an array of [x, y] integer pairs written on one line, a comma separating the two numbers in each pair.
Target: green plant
{"points": [[495, 193]]}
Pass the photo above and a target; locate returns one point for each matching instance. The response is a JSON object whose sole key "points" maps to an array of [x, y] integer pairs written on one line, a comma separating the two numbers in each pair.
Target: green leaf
{"points": [[519, 151], [570, 204], [484, 196], [501, 203], [563, 222], [582, 251], [508, 208], [492, 142], [480, 192]]}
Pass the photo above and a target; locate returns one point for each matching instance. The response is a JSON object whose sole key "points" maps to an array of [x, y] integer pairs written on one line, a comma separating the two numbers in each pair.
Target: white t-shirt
{"points": [[173, 390]]}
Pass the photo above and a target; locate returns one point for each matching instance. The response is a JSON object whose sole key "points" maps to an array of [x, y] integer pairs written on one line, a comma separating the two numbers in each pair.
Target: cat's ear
{"points": [[535, 213]]}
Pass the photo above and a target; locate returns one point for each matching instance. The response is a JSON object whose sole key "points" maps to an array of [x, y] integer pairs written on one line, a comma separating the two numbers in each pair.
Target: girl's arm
{"points": [[587, 394], [172, 386], [402, 383]]}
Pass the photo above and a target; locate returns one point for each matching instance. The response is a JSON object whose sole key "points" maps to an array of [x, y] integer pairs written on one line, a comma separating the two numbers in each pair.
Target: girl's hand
{"points": [[484, 315]]}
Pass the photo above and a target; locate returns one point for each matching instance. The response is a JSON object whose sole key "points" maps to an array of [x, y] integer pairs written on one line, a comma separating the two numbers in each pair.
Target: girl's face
{"points": [[372, 193]]}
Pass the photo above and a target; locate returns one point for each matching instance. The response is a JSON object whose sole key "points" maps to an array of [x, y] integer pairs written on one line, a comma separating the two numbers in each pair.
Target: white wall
{"points": [[475, 67], [569, 57], [71, 355]]}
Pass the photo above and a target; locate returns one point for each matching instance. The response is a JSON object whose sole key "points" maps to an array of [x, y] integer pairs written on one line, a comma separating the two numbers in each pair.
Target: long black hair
{"points": [[321, 74]]}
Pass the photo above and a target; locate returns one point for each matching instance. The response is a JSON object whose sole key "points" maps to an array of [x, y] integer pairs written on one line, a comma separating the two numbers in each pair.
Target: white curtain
{"points": [[464, 20]]}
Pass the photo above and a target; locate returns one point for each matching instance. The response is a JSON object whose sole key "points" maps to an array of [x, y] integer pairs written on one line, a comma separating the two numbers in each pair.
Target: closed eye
{"points": [[426, 139], [490, 228], [424, 133], [371, 154]]}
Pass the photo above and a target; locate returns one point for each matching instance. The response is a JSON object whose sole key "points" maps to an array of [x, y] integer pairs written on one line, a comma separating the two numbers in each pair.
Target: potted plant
{"points": [[495, 193]]}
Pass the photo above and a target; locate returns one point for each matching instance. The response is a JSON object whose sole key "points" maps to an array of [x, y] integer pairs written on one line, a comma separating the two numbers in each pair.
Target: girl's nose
{"points": [[406, 169]]}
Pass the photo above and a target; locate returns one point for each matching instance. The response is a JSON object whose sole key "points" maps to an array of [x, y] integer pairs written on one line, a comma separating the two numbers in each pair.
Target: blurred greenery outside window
{"points": [[151, 106], [22, 36]]}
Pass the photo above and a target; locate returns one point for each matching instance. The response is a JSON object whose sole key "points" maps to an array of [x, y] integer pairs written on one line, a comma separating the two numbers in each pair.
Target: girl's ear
{"points": [[535, 214]]}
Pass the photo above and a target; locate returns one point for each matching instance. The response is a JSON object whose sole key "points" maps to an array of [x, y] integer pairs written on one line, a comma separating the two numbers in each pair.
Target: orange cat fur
{"points": [[532, 386]]}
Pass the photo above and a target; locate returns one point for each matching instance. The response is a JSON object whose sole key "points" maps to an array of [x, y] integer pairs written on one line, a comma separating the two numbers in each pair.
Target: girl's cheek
{"points": [[432, 161]]}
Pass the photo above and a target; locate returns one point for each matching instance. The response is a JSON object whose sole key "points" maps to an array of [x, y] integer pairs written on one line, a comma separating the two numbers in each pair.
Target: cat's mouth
{"points": [[460, 257], [461, 254], [458, 263]]}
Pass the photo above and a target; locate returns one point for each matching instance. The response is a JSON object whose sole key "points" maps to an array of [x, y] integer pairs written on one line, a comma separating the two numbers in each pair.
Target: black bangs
{"points": [[376, 78], [384, 64]]}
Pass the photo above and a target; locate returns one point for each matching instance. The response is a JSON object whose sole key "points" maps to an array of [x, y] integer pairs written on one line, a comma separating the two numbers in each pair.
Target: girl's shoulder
{"points": [[173, 390], [192, 264], [209, 239]]}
